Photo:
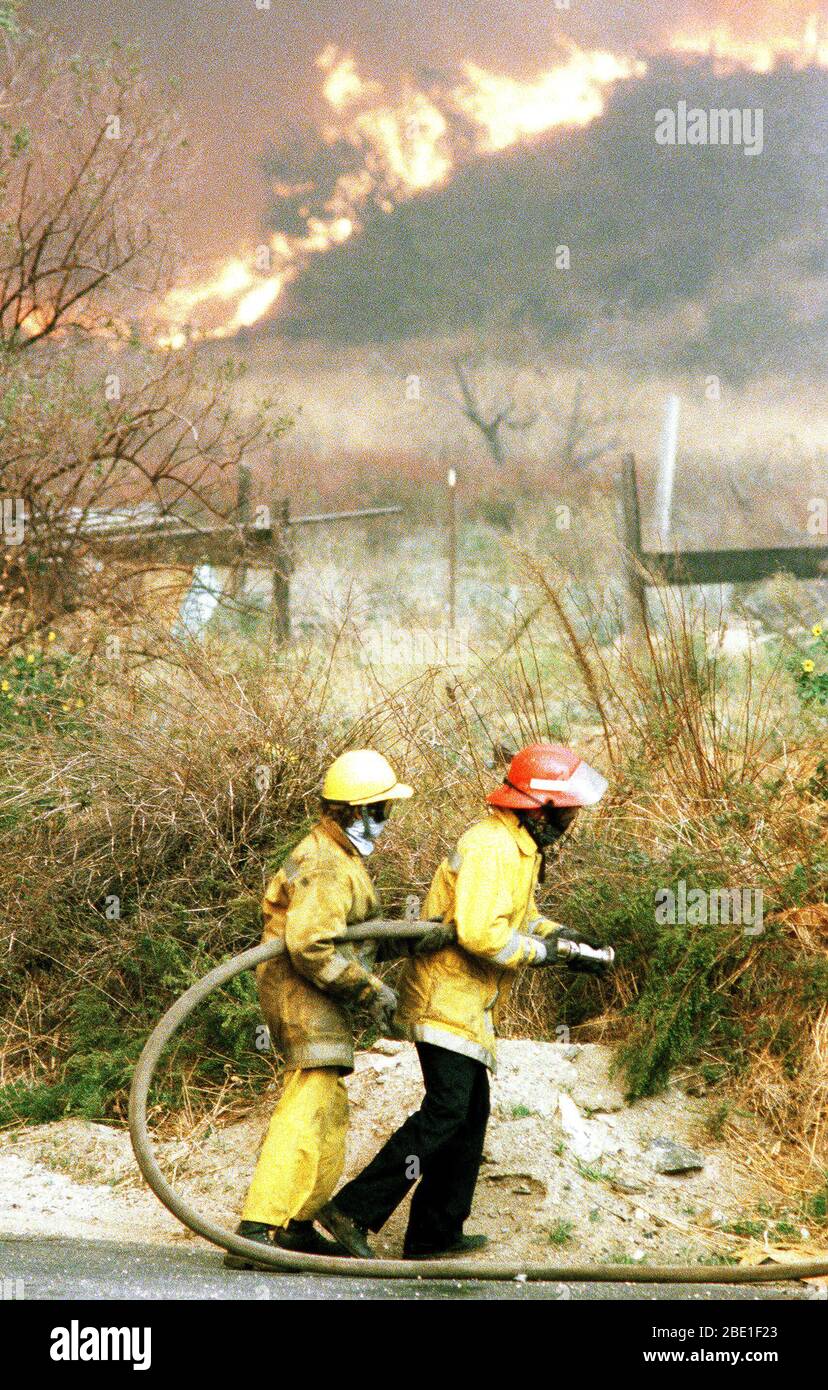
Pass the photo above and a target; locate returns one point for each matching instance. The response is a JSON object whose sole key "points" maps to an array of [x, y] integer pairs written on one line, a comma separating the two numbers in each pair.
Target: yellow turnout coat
{"points": [[486, 887]]}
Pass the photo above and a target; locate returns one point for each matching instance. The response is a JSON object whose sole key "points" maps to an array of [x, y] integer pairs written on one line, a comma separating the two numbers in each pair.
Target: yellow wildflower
{"points": [[5, 686], [30, 658], [816, 630], [807, 667], [52, 637]]}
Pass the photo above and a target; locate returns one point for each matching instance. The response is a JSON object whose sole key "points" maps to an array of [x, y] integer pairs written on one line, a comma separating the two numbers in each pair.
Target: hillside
{"points": [[651, 230]]}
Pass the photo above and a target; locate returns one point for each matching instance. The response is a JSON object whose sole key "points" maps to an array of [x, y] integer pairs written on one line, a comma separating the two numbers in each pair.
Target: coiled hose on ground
{"points": [[290, 1262]]}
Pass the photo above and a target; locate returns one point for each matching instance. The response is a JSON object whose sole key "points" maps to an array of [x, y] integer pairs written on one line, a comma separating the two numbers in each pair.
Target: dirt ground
{"points": [[570, 1170]]}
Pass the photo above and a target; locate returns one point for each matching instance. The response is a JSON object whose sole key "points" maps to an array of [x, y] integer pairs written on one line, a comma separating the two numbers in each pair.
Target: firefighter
{"points": [[308, 995], [450, 1001]]}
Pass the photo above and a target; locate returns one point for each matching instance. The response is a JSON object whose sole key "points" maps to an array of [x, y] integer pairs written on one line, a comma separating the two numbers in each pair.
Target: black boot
{"points": [[301, 1237], [344, 1230], [249, 1230]]}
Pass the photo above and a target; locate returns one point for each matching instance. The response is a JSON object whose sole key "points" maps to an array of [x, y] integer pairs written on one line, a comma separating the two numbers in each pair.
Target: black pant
{"points": [[442, 1145]]}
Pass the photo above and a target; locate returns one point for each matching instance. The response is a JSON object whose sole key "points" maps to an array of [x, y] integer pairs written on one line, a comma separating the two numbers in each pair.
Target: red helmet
{"points": [[547, 774]]}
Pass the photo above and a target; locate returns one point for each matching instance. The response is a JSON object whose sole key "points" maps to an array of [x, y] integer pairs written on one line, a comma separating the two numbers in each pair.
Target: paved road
{"points": [[93, 1269]]}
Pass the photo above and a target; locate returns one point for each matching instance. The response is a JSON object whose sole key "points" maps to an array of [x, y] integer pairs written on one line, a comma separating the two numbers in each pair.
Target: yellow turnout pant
{"points": [[302, 1157]]}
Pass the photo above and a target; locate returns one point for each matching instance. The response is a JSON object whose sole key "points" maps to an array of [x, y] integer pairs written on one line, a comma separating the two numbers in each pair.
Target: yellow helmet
{"points": [[361, 777]]}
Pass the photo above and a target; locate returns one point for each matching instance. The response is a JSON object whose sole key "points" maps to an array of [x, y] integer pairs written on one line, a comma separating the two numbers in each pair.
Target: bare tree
{"points": [[91, 157], [89, 419], [587, 436], [488, 401]]}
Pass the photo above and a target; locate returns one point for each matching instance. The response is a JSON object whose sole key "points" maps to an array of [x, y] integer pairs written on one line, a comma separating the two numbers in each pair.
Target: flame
{"points": [[407, 144], [407, 140], [41, 318], [413, 140], [343, 86], [570, 95], [730, 51], [36, 321]]}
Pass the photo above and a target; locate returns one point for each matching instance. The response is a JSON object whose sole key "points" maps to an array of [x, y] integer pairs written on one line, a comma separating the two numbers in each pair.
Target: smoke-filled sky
{"points": [[247, 73]]}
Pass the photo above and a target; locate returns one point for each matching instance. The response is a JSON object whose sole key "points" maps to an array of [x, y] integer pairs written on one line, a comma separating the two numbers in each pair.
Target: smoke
{"points": [[353, 105], [379, 145]]}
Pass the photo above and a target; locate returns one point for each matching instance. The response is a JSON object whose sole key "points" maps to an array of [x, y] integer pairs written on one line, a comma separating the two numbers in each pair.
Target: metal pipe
{"points": [[290, 1262], [667, 468], [344, 516]]}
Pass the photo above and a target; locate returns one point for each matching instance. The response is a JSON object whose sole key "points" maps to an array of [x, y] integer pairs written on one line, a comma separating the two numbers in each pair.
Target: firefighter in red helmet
{"points": [[450, 1001]]}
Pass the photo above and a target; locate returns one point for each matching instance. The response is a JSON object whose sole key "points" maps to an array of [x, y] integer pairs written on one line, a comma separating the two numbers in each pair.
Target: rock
{"points": [[387, 1047], [587, 1140], [524, 1184], [598, 1102], [627, 1182], [595, 1089], [376, 1062], [666, 1156]]}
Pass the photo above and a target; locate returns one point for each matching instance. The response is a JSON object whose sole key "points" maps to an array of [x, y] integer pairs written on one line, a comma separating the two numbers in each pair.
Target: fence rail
{"points": [[240, 544], [652, 568]]}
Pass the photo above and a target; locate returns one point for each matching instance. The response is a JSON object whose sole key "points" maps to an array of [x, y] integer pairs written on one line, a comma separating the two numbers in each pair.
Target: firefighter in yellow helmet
{"points": [[308, 995], [449, 1004]]}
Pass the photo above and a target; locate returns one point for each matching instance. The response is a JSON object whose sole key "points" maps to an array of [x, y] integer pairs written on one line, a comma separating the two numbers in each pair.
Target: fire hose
{"points": [[292, 1262]]}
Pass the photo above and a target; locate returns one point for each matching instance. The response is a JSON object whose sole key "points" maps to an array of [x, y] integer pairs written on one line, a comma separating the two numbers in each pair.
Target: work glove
{"points": [[439, 935], [382, 1006], [571, 934]]}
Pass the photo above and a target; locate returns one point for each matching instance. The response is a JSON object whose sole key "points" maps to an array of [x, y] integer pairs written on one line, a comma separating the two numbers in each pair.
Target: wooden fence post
{"points": [[282, 568], [233, 588], [452, 549], [629, 526]]}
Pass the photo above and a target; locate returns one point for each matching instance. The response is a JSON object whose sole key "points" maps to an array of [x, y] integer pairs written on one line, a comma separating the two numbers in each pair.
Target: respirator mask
{"points": [[366, 829], [549, 827]]}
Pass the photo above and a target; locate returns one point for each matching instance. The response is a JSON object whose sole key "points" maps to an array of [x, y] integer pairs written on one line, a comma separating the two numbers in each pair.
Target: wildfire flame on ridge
{"points": [[408, 144]]}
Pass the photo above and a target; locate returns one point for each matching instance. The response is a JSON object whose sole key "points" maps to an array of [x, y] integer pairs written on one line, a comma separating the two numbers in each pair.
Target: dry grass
{"points": [[189, 774]]}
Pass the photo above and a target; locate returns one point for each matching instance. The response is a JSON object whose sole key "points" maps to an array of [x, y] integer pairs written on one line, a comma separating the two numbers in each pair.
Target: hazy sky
{"points": [[246, 72]]}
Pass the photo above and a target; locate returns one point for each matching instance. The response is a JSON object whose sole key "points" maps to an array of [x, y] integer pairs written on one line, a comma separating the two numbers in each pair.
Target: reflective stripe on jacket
{"points": [[487, 889], [322, 887]]}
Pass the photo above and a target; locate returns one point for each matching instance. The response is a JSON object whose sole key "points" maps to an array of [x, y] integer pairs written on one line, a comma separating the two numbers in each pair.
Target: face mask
{"points": [[365, 832], [545, 832]]}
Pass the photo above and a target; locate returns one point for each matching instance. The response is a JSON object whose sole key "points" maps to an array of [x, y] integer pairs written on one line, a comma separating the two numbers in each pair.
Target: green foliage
{"points": [[811, 682], [679, 1009], [593, 1172], [9, 10], [818, 782], [686, 1009], [716, 1121], [498, 512], [816, 1204], [107, 1027], [561, 1233], [39, 689]]}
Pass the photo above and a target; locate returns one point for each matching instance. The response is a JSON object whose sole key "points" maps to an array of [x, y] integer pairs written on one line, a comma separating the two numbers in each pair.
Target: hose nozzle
{"points": [[585, 960]]}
